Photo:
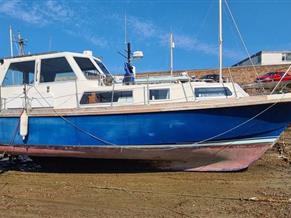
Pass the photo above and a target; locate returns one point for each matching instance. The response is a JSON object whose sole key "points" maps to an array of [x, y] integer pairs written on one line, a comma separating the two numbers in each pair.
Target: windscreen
{"points": [[87, 68]]}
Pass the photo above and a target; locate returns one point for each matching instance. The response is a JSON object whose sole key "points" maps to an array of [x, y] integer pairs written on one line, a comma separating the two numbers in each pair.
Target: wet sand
{"points": [[118, 190]]}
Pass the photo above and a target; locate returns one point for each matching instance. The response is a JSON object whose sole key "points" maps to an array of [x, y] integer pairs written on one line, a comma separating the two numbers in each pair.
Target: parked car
{"points": [[211, 78], [273, 77]]}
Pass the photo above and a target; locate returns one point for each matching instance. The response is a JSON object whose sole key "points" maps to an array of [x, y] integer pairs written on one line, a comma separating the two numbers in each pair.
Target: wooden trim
{"points": [[152, 108]]}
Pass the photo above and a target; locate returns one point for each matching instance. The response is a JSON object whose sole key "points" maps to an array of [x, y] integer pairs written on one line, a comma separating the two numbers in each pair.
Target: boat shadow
{"points": [[86, 165], [76, 165]]}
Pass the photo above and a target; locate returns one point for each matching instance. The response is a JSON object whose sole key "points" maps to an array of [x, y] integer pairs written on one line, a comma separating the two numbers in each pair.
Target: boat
{"points": [[65, 104]]}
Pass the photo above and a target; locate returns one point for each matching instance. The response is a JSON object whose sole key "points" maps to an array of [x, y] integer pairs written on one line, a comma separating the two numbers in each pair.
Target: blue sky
{"points": [[76, 25]]}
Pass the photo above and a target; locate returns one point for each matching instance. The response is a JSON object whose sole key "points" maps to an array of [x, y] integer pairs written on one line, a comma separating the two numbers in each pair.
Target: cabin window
{"points": [[102, 67], [87, 68], [159, 94], [212, 92], [56, 69], [19, 73], [286, 57], [106, 97]]}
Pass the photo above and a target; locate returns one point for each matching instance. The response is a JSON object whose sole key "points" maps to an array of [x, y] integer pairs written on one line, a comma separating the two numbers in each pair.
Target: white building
{"points": [[267, 58]]}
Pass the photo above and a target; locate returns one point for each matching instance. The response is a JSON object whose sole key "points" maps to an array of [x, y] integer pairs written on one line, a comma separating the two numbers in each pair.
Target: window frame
{"points": [[226, 91], [155, 100], [58, 81], [109, 102], [92, 61], [20, 85], [286, 56], [95, 62]]}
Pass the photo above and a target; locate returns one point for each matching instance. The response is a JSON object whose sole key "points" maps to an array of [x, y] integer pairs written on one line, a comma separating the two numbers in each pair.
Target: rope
{"points": [[239, 125], [11, 142], [16, 97], [244, 45], [74, 125], [281, 80], [170, 147]]}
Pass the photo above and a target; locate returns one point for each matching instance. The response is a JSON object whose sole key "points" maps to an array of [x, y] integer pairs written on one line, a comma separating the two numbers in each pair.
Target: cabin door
{"points": [[60, 94], [57, 81], [16, 83]]}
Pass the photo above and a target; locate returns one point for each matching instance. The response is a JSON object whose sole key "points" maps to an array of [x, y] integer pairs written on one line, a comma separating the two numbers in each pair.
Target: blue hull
{"points": [[159, 128]]}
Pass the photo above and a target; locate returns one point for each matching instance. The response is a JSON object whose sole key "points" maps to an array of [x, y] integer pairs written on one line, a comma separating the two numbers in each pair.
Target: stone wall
{"points": [[241, 75]]}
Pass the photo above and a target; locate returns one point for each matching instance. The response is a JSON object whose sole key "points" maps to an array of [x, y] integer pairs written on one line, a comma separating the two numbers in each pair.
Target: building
{"points": [[267, 58]]}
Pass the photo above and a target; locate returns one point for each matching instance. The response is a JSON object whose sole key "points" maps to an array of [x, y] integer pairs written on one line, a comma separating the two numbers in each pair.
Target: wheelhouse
{"points": [[80, 80]]}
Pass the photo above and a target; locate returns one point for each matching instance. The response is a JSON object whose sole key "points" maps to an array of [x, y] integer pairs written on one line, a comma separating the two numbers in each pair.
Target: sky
{"points": [[99, 26]]}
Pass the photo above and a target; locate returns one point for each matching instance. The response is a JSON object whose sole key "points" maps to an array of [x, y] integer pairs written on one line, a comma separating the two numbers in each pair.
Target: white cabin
{"points": [[78, 80]]}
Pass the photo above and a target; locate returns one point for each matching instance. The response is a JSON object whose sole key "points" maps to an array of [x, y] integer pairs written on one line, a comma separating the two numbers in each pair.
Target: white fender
{"points": [[23, 127]]}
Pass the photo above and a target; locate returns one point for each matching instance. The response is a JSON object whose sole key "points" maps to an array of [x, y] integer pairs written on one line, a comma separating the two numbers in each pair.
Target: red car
{"points": [[273, 77]]}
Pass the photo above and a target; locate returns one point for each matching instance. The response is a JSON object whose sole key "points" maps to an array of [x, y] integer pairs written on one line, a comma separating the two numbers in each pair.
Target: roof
{"points": [[282, 51], [49, 54], [29, 55], [259, 53], [254, 55]]}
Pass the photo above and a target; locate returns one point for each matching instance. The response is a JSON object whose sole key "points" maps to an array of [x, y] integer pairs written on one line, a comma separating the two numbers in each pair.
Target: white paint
{"points": [[23, 127], [137, 54], [88, 53], [62, 94]]}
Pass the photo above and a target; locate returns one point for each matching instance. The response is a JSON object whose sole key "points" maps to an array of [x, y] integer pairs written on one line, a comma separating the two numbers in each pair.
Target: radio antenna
{"points": [[11, 40]]}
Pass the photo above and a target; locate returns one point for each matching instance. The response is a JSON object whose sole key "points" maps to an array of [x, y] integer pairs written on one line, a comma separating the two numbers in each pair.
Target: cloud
{"points": [[97, 41], [42, 13], [92, 38], [58, 11], [191, 43], [147, 30], [36, 12], [142, 28], [16, 9]]}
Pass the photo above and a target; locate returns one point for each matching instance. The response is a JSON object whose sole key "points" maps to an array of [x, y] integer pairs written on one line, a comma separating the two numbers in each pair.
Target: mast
{"points": [[11, 41], [11, 50], [171, 53], [220, 41], [128, 53]]}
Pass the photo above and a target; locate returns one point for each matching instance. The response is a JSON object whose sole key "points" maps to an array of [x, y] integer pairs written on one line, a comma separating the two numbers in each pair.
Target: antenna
{"points": [[21, 43], [172, 46], [125, 29], [11, 41]]}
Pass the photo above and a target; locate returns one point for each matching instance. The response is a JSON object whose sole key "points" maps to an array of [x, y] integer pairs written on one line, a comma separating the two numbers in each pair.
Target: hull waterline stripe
{"points": [[266, 140]]}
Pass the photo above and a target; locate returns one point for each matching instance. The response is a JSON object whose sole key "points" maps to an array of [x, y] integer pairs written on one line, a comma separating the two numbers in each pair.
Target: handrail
{"points": [[192, 90], [232, 82], [186, 98], [112, 94], [144, 95], [77, 97]]}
